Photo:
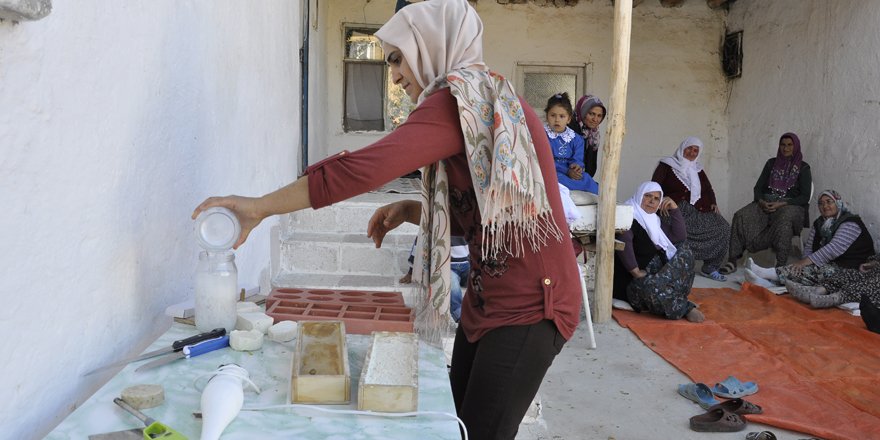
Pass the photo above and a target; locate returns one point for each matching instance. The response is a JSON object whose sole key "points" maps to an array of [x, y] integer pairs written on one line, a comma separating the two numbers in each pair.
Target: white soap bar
{"points": [[283, 331], [245, 340], [144, 396], [244, 307], [253, 321]]}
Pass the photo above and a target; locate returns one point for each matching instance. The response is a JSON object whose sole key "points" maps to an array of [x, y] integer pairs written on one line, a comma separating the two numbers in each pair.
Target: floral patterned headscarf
{"points": [[825, 232], [442, 43]]}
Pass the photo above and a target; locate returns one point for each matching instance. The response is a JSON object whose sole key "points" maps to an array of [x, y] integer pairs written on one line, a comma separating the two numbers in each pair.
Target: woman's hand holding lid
{"points": [[246, 209]]}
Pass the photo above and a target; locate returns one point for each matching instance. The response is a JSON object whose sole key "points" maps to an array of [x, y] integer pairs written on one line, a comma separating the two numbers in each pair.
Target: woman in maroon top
{"points": [[683, 180], [485, 163]]}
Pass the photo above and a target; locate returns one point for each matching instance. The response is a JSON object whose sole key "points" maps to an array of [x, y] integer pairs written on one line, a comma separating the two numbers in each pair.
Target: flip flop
{"points": [[698, 393], [727, 268], [739, 407], [732, 387], [717, 420], [763, 435], [714, 275]]}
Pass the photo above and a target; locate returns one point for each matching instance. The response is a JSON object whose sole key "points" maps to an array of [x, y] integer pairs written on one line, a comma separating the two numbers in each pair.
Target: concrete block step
{"points": [[330, 252], [350, 216], [385, 283]]}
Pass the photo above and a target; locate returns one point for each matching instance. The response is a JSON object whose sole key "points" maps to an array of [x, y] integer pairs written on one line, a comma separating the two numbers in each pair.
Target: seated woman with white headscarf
{"points": [[839, 242], [651, 273], [684, 181]]}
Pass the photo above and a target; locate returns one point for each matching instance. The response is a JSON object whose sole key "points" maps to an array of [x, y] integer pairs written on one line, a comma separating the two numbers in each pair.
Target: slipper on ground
{"points": [[699, 393], [727, 268], [717, 420], [763, 435], [739, 407], [732, 388], [714, 275]]}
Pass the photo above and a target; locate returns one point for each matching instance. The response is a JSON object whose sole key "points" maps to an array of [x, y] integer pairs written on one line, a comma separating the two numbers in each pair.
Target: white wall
{"points": [[810, 67], [676, 88], [116, 119]]}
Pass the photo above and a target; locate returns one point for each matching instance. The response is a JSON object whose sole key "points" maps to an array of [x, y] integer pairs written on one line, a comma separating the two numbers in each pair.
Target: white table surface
{"points": [[269, 368]]}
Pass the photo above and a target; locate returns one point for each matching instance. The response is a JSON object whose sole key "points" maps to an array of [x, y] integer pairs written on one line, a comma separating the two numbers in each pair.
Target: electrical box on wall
{"points": [[25, 10]]}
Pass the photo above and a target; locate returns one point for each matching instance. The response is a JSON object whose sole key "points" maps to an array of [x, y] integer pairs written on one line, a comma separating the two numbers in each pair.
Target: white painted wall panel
{"points": [[116, 119], [810, 67]]}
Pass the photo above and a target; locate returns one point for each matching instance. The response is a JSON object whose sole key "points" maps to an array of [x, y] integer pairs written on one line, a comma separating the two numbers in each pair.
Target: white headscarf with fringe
{"points": [[651, 222], [687, 171], [441, 40]]}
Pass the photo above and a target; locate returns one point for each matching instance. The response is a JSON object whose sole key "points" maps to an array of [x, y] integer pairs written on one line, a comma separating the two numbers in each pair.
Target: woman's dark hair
{"points": [[562, 100]]}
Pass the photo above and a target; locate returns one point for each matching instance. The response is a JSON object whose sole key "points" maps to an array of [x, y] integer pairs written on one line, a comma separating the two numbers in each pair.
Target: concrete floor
{"points": [[622, 391]]}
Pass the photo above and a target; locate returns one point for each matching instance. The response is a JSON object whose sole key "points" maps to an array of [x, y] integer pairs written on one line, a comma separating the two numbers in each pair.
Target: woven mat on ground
{"points": [[818, 371]]}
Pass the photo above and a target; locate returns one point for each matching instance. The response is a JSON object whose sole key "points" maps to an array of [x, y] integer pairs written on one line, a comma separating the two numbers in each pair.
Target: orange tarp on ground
{"points": [[818, 371]]}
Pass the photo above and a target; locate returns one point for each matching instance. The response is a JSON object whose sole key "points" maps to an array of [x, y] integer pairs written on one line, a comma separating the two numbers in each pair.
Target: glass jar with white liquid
{"points": [[217, 229], [216, 291]]}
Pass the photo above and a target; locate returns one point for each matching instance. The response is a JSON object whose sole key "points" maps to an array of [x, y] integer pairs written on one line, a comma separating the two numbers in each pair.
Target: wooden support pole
{"points": [[611, 160]]}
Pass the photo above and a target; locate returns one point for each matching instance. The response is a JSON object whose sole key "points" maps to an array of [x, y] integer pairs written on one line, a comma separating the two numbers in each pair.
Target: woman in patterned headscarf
{"points": [[779, 209], [589, 112], [485, 162], [839, 242]]}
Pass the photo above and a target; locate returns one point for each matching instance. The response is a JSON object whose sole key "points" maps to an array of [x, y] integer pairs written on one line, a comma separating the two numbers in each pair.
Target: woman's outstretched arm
{"points": [[252, 210]]}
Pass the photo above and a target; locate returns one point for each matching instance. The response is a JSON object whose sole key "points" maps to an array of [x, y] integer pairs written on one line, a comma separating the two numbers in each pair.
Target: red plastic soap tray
{"points": [[363, 311]]}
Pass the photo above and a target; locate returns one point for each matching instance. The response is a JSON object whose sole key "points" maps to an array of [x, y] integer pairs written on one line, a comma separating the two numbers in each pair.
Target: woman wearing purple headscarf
{"points": [[779, 210]]}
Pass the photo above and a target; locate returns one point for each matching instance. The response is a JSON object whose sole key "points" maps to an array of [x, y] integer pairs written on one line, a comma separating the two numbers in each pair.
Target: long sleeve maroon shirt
{"points": [[504, 291]]}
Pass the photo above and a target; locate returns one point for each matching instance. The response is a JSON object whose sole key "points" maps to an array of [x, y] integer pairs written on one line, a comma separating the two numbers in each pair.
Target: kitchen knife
{"points": [[188, 352], [175, 346]]}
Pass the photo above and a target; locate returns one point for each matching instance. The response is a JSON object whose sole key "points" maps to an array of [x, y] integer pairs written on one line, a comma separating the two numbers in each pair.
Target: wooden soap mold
{"points": [[320, 372], [401, 397]]}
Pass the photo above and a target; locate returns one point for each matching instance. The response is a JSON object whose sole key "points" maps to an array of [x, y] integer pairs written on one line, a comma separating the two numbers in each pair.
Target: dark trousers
{"points": [[495, 379], [870, 314]]}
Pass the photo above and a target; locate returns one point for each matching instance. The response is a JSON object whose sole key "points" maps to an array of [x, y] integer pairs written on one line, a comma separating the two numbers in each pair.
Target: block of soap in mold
{"points": [[320, 371], [390, 378]]}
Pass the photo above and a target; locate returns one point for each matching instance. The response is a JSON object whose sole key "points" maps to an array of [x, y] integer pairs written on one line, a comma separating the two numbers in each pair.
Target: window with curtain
{"points": [[538, 82], [372, 101]]}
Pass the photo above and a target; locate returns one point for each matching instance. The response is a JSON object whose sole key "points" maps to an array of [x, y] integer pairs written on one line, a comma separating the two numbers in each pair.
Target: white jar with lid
{"points": [[217, 229]]}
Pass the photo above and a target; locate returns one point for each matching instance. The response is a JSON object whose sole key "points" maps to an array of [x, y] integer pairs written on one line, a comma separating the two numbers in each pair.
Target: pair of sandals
{"points": [[731, 387], [727, 416]]}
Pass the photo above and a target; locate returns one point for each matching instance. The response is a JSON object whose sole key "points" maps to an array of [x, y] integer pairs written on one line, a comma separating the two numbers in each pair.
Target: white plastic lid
{"points": [[217, 229]]}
